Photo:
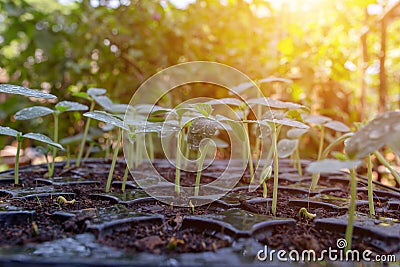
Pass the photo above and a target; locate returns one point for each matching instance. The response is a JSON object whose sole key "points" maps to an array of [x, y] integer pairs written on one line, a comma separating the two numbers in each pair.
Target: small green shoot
{"points": [[39, 111], [63, 200], [19, 136], [90, 94], [303, 213], [109, 118], [323, 122]]}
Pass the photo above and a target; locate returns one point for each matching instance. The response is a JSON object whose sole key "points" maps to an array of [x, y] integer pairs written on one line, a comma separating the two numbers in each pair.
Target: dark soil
{"points": [[52, 220]]}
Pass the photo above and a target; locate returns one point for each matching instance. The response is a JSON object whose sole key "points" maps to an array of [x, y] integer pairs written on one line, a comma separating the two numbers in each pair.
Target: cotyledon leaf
{"points": [[8, 131], [107, 118], [96, 91], [331, 165], [337, 126], [286, 147], [225, 101], [32, 113], [274, 103], [288, 122], [71, 106], [384, 129], [42, 138], [317, 119], [295, 133], [20, 90]]}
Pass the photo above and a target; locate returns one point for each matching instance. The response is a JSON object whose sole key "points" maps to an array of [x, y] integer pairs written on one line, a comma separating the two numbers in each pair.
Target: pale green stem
{"points": [[315, 176], [85, 133], [382, 159], [259, 110], [130, 155], [276, 170], [68, 157], [114, 160], [151, 147], [298, 162], [352, 209], [267, 164], [178, 163], [89, 150], [107, 148], [16, 166], [199, 166], [54, 152], [137, 151], [370, 193], [249, 155], [334, 143], [186, 160]]}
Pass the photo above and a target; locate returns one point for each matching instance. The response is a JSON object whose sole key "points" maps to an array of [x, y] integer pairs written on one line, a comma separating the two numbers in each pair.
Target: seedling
{"points": [[63, 200], [323, 122], [90, 94], [35, 229], [383, 130], [109, 118], [19, 136], [276, 125], [295, 134], [40, 111], [303, 213], [275, 120], [200, 129]]}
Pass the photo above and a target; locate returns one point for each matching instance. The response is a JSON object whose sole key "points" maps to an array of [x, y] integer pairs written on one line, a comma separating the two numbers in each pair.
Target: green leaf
{"points": [[82, 95], [295, 133], [203, 108], [106, 103], [225, 101], [273, 103], [150, 109], [70, 106], [107, 118], [317, 119], [103, 101], [8, 131], [32, 112], [19, 90], [42, 138], [286, 147], [96, 91], [385, 129], [243, 87], [288, 122], [331, 165], [337, 126]]}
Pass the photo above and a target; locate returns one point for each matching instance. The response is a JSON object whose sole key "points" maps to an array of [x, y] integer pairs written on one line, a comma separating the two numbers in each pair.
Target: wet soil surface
{"points": [[74, 202]]}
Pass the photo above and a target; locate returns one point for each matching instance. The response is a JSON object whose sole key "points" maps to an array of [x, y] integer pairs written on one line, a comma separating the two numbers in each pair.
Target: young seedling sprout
{"points": [[383, 130], [295, 134], [19, 136], [275, 119], [200, 129], [20, 90], [109, 118], [90, 94], [323, 122], [40, 111]]}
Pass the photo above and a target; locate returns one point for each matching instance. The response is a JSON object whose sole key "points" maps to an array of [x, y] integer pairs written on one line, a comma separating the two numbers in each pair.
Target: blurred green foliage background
{"points": [[64, 47]]}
